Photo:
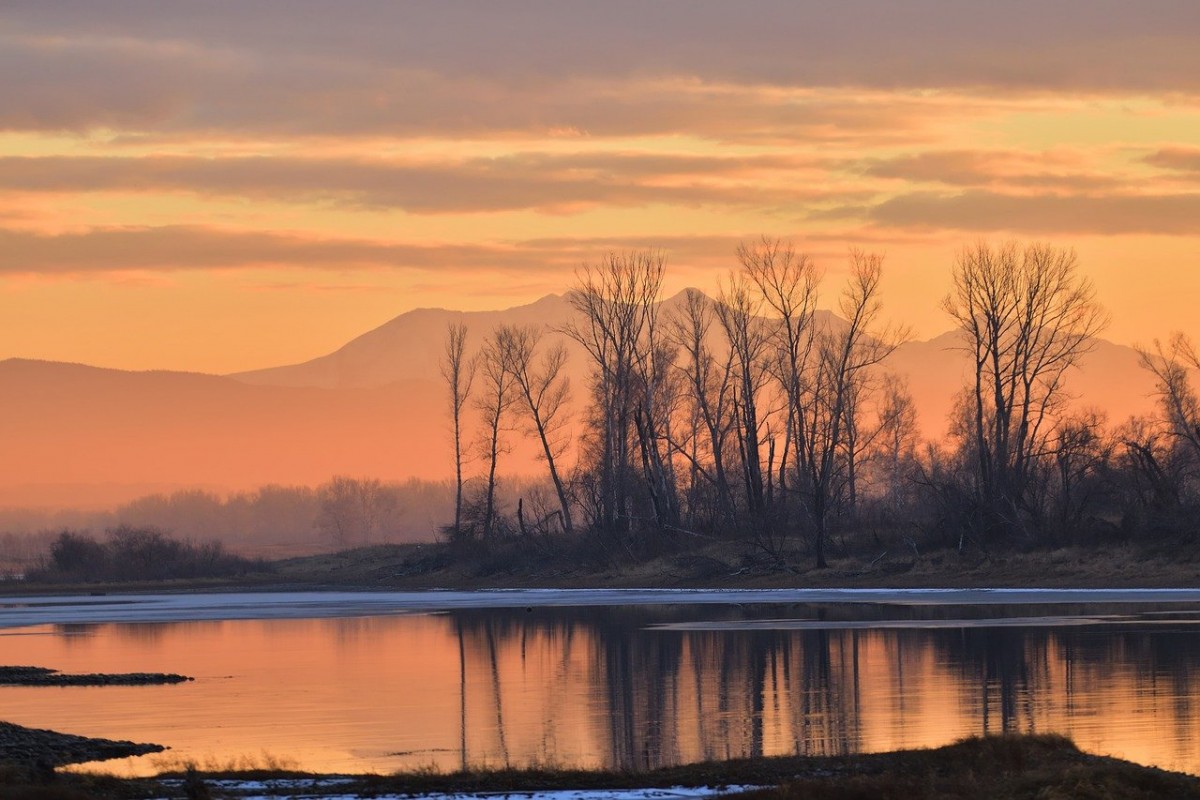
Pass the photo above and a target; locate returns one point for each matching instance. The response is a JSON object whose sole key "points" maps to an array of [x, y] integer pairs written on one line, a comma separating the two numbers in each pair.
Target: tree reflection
{"points": [[599, 687]]}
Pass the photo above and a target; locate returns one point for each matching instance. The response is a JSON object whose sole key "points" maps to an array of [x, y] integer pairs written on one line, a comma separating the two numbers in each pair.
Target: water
{"points": [[379, 682]]}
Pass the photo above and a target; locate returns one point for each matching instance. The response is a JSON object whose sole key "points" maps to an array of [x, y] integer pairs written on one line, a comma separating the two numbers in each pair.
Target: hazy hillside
{"points": [[409, 346], [78, 435], [66, 426], [1108, 378]]}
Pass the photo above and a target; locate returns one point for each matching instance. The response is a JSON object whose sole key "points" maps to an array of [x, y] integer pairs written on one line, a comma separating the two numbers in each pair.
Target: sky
{"points": [[220, 186]]}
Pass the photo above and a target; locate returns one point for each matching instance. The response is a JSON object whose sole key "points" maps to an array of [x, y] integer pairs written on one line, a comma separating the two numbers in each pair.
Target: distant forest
{"points": [[270, 521], [750, 418]]}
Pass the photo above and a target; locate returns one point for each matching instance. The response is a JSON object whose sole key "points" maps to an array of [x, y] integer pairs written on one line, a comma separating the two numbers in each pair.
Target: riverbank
{"points": [[723, 565], [715, 565], [997, 767]]}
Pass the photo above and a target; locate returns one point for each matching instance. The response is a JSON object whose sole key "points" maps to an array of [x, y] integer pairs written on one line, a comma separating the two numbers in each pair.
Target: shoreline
{"points": [[996, 766], [337, 602], [432, 567]]}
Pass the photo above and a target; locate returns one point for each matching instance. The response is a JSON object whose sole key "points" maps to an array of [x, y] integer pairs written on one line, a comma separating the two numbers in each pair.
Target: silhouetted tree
{"points": [[1027, 316], [787, 282], [739, 311], [494, 402], [1172, 365], [891, 447], [544, 391], [708, 403], [459, 374], [616, 302], [1079, 452], [843, 359]]}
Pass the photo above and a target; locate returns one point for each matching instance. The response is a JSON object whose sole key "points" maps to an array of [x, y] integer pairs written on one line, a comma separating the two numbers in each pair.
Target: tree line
{"points": [[341, 512], [751, 416]]}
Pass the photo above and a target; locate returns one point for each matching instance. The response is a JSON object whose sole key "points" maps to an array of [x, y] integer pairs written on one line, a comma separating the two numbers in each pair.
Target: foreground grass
{"points": [[1001, 767]]}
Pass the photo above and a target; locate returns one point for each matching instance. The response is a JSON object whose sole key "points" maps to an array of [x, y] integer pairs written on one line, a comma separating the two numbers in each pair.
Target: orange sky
{"points": [[212, 187]]}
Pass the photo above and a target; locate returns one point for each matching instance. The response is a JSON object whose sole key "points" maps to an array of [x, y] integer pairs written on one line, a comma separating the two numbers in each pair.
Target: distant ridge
{"points": [[373, 407], [404, 347], [410, 345]]}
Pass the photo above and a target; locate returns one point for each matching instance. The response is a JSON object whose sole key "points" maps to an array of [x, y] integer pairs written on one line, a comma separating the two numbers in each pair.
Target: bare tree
{"points": [[710, 383], [1172, 365], [494, 402], [459, 374], [891, 447], [615, 300], [1028, 316], [787, 281], [1152, 473], [739, 311], [657, 385], [843, 360], [544, 391], [1079, 452], [352, 511]]}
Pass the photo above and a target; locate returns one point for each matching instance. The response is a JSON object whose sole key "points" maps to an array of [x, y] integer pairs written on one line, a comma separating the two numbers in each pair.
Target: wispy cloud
{"points": [[540, 181], [1041, 214], [1181, 159], [205, 248], [187, 248], [1053, 170]]}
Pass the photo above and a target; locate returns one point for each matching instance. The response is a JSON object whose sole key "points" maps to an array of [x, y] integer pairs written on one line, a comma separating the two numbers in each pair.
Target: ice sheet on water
{"points": [[58, 610], [1048, 621], [273, 790], [334, 788]]}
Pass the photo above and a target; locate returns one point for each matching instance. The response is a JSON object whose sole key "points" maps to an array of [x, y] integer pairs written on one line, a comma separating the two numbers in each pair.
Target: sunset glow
{"points": [[223, 187], [570, 400]]}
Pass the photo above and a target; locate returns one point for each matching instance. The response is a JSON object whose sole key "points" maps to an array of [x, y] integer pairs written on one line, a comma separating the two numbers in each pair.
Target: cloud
{"points": [[860, 42], [1056, 171], [156, 92], [519, 181], [1181, 159], [617, 68], [1040, 214], [183, 248], [179, 247]]}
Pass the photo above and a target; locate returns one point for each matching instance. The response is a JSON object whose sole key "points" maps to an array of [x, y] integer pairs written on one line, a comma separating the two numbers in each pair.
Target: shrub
{"points": [[137, 554]]}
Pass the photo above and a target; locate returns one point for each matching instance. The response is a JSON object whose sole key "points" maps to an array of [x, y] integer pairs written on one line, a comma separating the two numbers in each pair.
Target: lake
{"points": [[385, 681]]}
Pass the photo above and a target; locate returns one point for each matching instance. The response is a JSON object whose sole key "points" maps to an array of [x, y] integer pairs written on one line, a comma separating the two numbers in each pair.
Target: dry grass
{"points": [[22, 783], [1000, 767]]}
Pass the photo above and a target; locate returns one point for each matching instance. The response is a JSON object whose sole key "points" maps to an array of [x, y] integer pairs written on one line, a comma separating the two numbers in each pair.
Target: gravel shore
{"points": [[43, 676], [33, 747]]}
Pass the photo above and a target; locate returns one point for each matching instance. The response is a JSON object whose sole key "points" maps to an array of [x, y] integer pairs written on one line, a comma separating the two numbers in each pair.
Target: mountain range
{"points": [[76, 435]]}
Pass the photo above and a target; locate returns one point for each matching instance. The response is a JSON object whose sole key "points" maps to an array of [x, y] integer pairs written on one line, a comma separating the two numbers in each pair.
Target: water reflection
{"points": [[676, 695], [633, 688]]}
